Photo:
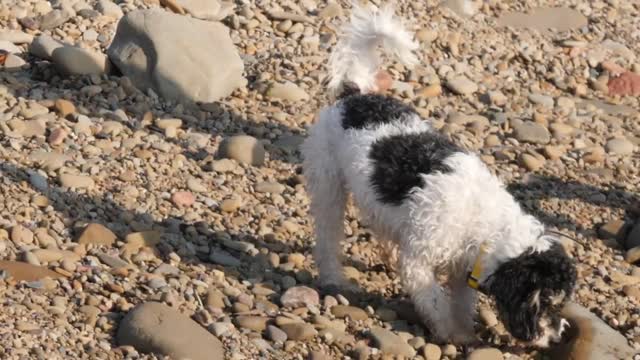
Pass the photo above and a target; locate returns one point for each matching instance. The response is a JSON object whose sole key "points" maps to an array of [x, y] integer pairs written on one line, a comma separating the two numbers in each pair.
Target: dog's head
{"points": [[530, 291]]}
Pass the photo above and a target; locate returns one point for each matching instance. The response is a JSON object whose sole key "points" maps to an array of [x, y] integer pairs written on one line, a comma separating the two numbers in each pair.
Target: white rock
{"points": [[110, 9], [9, 47], [43, 46], [16, 36], [71, 60]]}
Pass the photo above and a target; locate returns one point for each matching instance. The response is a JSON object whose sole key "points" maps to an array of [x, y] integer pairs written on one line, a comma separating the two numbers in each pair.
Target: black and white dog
{"points": [[442, 207]]}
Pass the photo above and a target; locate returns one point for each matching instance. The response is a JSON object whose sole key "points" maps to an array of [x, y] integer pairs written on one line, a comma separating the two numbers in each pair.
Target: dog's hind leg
{"points": [[328, 203]]}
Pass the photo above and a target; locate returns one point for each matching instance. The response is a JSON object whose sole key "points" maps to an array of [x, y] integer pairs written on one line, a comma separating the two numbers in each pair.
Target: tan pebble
{"points": [[430, 91], [64, 107], [57, 136]]}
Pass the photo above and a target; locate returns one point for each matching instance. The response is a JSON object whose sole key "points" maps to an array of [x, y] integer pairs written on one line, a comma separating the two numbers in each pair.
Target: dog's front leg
{"points": [[430, 299], [464, 310]]}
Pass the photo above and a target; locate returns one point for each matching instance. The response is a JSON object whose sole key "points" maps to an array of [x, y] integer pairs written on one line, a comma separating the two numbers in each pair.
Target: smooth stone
{"points": [[21, 271], [532, 132], [76, 181], [633, 239], [343, 311], [299, 331], [112, 261], [244, 149], [43, 46], [14, 62], [51, 255], [71, 60], [287, 91], [109, 9], [9, 47], [431, 352], [530, 162], [53, 19], [488, 317], [255, 323], [270, 187], [155, 328], [97, 234], [486, 354], [614, 229], [275, 334], [632, 255], [223, 258], [183, 198], [16, 36], [546, 101], [461, 85], [619, 146], [544, 19], [390, 343], [212, 10], [150, 44], [589, 338], [300, 296]]}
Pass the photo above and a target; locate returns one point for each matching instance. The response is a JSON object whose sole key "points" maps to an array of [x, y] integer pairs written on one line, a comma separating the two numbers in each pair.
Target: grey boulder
{"points": [[180, 58]]}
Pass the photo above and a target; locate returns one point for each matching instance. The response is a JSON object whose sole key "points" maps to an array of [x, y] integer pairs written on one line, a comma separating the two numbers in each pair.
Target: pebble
{"points": [[287, 91], [299, 331], [486, 354], [300, 296], [255, 323], [76, 181], [632, 255], [77, 61], [156, 328], [43, 46], [244, 149], [275, 334], [183, 198], [97, 234], [352, 312], [431, 352], [462, 85], [391, 343], [110, 9], [619, 146], [532, 132]]}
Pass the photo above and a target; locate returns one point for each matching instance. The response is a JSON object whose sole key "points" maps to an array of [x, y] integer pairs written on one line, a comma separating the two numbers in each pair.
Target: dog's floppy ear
{"points": [[526, 286]]}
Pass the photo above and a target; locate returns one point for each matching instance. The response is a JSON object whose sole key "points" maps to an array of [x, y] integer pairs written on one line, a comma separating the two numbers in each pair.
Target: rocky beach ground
{"points": [[151, 202]]}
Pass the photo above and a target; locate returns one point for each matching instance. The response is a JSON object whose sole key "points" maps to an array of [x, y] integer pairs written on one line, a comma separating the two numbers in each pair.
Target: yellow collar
{"points": [[473, 280]]}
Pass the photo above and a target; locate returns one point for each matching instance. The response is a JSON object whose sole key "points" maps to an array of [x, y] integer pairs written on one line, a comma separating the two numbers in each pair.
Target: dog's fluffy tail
{"points": [[356, 59]]}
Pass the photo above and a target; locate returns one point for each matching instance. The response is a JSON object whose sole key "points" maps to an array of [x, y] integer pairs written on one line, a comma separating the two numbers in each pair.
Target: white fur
{"points": [[442, 225], [355, 57]]}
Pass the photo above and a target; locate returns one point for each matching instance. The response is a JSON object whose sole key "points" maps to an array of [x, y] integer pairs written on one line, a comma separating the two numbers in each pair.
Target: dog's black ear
{"points": [[525, 287]]}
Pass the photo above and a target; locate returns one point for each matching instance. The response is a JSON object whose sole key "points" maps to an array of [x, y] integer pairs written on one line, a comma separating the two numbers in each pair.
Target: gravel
{"points": [[116, 194]]}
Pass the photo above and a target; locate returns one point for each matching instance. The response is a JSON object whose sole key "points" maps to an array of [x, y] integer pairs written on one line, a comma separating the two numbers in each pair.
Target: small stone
{"points": [[299, 331], [97, 234], [255, 323], [430, 91], [183, 198], [53, 19], [626, 84], [486, 354], [391, 343], [223, 258], [76, 181], [614, 229], [269, 187], [300, 296], [488, 317], [532, 132], [43, 46], [530, 162], [230, 205], [352, 312], [431, 352], [112, 261], [64, 107], [244, 149], [619, 146], [21, 271], [633, 255], [462, 85], [57, 136], [386, 314], [332, 10], [144, 238], [631, 291], [108, 8], [275, 334], [158, 329], [539, 99], [21, 235], [71, 60], [287, 91]]}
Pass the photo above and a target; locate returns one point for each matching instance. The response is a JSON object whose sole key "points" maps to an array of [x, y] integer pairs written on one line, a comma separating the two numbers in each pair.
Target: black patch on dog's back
{"points": [[361, 111], [516, 281], [400, 161]]}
